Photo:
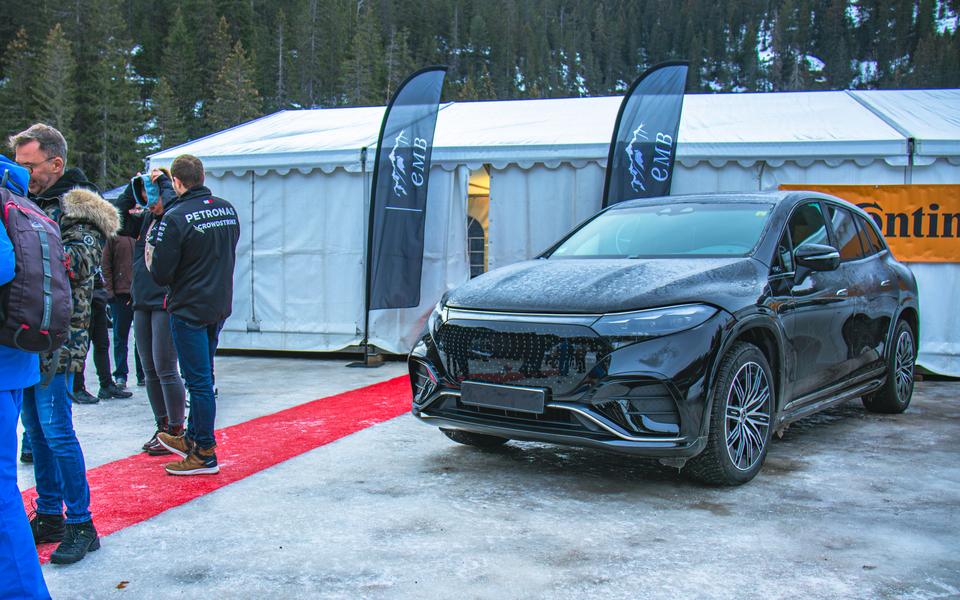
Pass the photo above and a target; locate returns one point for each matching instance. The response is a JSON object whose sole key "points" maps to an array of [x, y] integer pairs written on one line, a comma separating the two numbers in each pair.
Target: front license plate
{"points": [[508, 397]]}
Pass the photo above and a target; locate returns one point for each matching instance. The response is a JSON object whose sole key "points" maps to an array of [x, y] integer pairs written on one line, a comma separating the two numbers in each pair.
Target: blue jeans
{"points": [[196, 343], [58, 464], [122, 311], [20, 575]]}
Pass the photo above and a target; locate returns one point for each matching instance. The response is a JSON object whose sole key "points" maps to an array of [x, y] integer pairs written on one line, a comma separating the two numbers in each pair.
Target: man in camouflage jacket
{"points": [[86, 220]]}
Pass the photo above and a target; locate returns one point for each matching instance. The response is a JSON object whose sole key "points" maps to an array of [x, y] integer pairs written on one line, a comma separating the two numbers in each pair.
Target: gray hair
{"points": [[51, 141]]}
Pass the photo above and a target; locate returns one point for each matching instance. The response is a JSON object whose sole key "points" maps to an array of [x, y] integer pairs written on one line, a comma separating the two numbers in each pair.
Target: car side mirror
{"points": [[817, 257]]}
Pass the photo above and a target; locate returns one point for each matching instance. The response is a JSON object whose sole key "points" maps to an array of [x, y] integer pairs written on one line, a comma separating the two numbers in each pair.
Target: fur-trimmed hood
{"points": [[82, 205]]}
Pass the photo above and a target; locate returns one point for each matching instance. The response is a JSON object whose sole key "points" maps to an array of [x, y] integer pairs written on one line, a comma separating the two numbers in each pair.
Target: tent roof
{"points": [[931, 117], [714, 127]]}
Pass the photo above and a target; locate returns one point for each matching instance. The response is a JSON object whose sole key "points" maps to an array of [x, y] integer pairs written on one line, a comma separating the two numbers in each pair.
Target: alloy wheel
{"points": [[747, 416], [904, 372]]}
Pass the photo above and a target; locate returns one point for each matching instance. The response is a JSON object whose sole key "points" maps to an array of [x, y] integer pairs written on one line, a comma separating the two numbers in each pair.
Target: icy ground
{"points": [[849, 505]]}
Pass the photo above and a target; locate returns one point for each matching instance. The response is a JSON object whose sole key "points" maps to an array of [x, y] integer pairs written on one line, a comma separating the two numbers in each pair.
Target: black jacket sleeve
{"points": [[167, 193], [166, 254], [129, 224]]}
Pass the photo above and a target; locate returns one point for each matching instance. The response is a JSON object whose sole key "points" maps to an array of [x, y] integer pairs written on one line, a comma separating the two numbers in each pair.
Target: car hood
{"points": [[613, 285]]}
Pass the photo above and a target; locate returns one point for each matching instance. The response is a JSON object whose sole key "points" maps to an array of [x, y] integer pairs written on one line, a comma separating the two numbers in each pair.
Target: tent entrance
{"points": [[478, 221]]}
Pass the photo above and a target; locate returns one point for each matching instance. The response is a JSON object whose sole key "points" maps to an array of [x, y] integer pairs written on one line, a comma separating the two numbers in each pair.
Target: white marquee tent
{"points": [[297, 181]]}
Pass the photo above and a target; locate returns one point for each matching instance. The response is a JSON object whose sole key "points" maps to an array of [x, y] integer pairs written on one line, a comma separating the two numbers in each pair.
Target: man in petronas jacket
{"points": [[86, 221], [194, 253]]}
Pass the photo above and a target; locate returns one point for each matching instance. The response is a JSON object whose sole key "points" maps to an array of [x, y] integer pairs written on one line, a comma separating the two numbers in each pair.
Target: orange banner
{"points": [[921, 223]]}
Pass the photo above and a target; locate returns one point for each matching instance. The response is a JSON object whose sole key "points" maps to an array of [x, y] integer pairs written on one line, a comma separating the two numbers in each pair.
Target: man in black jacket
{"points": [[194, 254]]}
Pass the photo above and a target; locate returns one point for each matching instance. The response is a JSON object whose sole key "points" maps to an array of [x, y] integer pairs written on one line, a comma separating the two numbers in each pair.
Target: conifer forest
{"points": [[123, 78]]}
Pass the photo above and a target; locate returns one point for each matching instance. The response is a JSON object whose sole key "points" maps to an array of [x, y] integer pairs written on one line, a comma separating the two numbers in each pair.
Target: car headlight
{"points": [[626, 328], [437, 317]]}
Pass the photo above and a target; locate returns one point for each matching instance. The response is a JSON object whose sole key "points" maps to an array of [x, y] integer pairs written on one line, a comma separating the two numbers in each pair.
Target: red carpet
{"points": [[133, 489]]}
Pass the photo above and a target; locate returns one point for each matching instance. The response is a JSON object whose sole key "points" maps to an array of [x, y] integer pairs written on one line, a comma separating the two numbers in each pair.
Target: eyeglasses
{"points": [[30, 167]]}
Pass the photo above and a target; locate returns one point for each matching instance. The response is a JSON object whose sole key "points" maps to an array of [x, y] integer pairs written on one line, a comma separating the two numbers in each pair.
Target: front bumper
{"points": [[648, 398]]}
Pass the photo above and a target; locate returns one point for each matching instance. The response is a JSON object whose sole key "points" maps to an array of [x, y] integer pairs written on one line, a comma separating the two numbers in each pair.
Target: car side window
{"points": [[871, 234], [783, 258], [845, 229], [807, 225]]}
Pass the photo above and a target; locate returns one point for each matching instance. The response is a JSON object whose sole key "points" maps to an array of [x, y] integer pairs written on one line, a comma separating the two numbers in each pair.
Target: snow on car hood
{"points": [[613, 285]]}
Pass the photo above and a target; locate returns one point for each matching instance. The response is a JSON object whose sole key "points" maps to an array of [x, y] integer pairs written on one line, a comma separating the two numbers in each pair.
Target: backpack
{"points": [[35, 307]]}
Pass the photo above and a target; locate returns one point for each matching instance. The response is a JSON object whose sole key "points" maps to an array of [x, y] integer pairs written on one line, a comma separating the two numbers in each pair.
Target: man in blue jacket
{"points": [[195, 249], [20, 569]]}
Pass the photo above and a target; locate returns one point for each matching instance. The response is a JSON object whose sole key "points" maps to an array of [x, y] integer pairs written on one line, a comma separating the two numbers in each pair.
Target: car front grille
{"points": [[548, 355]]}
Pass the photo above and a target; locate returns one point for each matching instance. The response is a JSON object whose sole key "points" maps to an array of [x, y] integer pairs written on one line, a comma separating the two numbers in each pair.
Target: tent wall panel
{"points": [[304, 277], [939, 319], [939, 171], [530, 209], [236, 190]]}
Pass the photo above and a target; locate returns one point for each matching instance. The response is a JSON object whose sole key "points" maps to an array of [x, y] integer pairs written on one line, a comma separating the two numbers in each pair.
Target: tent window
{"points": [[477, 244]]}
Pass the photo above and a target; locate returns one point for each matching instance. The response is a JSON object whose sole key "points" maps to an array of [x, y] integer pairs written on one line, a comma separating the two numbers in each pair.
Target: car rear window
{"points": [[871, 234], [674, 229]]}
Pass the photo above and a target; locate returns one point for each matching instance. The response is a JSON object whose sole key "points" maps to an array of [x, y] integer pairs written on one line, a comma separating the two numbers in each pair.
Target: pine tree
{"points": [[281, 60], [179, 66], [220, 47], [308, 51], [235, 98], [170, 128], [833, 45], [16, 88], [113, 138], [749, 61], [467, 90], [201, 19], [216, 51], [55, 93], [399, 63], [485, 88], [362, 69]]}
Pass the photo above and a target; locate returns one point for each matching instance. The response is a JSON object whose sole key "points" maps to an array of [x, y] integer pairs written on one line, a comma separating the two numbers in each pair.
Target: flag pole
{"points": [[366, 363]]}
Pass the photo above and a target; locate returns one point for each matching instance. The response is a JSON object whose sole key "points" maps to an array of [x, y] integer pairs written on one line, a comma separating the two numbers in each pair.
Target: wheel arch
{"points": [[912, 317], [760, 331]]}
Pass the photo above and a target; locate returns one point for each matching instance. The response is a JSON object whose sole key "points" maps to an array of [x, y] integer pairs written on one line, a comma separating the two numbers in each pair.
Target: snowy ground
{"points": [[849, 504]]}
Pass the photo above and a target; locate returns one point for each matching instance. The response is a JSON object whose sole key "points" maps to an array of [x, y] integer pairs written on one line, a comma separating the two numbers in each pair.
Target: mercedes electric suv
{"points": [[686, 328]]}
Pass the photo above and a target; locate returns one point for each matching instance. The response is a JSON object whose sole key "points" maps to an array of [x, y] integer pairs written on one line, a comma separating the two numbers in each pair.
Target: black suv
{"points": [[687, 328]]}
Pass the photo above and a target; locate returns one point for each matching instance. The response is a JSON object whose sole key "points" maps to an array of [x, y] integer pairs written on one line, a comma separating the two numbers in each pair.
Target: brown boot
{"points": [[178, 444], [199, 462]]}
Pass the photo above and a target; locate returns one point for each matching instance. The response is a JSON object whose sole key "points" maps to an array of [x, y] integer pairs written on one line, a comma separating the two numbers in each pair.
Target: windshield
{"points": [[669, 230]]}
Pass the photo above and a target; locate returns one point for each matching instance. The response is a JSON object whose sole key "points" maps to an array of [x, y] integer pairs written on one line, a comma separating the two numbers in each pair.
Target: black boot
{"points": [[84, 397], [46, 528], [78, 539], [112, 391], [162, 423]]}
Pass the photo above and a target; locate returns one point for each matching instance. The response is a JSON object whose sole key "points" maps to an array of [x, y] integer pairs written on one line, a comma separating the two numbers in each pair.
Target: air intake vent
{"points": [[646, 408]]}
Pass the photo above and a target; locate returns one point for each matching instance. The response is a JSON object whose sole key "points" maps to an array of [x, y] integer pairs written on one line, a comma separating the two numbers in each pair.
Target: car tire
{"points": [[477, 440], [894, 397], [741, 419]]}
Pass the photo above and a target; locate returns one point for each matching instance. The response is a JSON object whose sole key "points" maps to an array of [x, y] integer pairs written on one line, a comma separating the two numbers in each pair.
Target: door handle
{"points": [[842, 292]]}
